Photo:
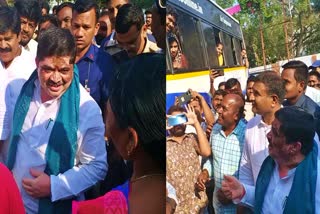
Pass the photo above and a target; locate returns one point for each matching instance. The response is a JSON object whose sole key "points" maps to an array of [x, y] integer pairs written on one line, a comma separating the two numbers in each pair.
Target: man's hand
{"points": [[195, 94], [201, 180], [209, 130], [232, 188], [213, 74], [191, 115], [39, 186], [222, 198]]}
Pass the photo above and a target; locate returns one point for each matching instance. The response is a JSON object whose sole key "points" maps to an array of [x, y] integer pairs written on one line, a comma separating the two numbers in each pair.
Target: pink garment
{"points": [[112, 202]]}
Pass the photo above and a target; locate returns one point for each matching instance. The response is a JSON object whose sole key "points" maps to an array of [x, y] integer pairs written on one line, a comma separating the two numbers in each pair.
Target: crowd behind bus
{"points": [[63, 77], [249, 150]]}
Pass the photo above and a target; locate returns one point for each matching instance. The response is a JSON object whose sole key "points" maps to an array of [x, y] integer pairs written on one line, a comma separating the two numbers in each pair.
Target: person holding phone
{"points": [[183, 165]]}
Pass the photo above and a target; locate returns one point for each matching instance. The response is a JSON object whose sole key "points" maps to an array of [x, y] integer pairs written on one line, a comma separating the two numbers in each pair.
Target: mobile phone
{"points": [[220, 72], [177, 119], [184, 98]]}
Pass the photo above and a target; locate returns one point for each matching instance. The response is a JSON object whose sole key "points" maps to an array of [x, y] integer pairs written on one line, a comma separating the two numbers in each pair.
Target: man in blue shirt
{"points": [[91, 62]]}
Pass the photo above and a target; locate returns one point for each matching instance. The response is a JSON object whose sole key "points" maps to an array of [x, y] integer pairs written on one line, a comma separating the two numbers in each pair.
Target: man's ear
{"points": [[296, 148], [96, 28], [144, 30], [301, 85]]}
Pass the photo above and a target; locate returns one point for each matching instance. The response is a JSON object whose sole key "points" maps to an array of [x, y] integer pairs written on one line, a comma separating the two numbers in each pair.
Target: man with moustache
{"points": [[17, 64], [268, 94], [183, 164], [91, 62], [288, 181], [57, 147], [64, 14], [30, 14], [226, 140]]}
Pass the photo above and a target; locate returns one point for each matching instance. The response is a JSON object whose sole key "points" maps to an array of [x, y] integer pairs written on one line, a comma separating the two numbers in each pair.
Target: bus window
{"points": [[178, 58], [190, 41], [227, 49], [209, 37], [237, 50]]}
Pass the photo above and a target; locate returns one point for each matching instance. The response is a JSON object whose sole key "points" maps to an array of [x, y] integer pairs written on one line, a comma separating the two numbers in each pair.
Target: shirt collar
{"points": [[239, 128]]}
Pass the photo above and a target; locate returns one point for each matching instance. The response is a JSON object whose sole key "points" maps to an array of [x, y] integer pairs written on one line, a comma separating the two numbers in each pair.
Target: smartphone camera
{"points": [[177, 119], [184, 98]]}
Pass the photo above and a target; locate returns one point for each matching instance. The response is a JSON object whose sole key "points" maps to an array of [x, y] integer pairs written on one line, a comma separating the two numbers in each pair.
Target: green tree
{"points": [[225, 3], [301, 19]]}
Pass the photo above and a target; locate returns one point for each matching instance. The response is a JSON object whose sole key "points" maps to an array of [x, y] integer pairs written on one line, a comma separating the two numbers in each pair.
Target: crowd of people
{"points": [[257, 155], [74, 137], [83, 129]]}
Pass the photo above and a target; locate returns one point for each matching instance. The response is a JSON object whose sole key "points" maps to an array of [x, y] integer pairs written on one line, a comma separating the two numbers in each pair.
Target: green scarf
{"points": [[301, 198], [62, 145]]}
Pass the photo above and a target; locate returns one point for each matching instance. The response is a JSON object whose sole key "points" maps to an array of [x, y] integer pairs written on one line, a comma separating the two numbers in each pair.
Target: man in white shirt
{"points": [[289, 180], [54, 153], [16, 67], [268, 94], [30, 14]]}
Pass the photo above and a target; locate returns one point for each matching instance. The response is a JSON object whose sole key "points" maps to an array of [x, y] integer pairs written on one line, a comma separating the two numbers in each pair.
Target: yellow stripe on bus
{"points": [[197, 73]]}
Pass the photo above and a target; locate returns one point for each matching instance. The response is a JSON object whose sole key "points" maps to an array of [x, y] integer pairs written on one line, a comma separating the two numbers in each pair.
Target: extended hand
{"points": [[201, 180], [222, 198], [39, 186], [232, 188], [191, 115], [213, 74]]}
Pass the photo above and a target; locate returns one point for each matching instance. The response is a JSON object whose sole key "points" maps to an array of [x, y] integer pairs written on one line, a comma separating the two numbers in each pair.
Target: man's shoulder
{"points": [[255, 121]]}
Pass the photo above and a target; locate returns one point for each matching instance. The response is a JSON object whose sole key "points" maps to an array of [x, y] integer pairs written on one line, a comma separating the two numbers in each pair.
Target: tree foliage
{"points": [[225, 3], [301, 19]]}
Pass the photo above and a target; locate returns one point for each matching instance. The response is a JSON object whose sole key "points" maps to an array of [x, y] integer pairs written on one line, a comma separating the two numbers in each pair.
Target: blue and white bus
{"points": [[201, 24]]}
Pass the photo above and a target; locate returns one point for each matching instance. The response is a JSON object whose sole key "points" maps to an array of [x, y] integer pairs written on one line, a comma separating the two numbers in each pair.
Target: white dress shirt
{"points": [[255, 150], [314, 94], [15, 75], [90, 161], [32, 47], [277, 192]]}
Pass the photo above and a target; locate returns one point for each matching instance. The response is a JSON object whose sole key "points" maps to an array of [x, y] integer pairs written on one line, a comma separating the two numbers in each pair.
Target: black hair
{"points": [[29, 9], [175, 108], [49, 18], [63, 5], [104, 13], [56, 42], [148, 11], [301, 71], [273, 83], [44, 5], [128, 16], [137, 99], [9, 20], [82, 6], [171, 11], [251, 78], [314, 73], [54, 9], [297, 125], [231, 83], [221, 84], [219, 92]]}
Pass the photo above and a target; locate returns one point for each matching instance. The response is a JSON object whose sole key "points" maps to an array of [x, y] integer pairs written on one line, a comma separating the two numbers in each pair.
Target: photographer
{"points": [[182, 172]]}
